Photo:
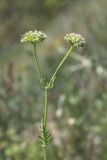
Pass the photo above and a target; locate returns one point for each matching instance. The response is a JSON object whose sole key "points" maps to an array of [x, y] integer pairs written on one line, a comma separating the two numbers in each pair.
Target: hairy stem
{"points": [[61, 63]]}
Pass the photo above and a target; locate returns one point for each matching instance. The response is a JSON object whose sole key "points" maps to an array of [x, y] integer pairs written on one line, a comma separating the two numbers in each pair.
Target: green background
{"points": [[77, 116]]}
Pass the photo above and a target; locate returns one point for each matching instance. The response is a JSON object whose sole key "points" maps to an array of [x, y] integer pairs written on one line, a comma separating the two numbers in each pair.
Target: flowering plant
{"points": [[75, 40]]}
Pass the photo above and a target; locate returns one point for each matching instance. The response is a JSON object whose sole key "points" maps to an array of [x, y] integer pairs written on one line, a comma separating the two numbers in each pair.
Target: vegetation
{"points": [[34, 38], [77, 113]]}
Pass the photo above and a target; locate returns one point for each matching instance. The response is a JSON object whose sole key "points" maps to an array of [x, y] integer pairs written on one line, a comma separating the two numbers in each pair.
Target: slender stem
{"points": [[37, 65], [46, 90], [44, 152], [45, 118], [61, 63], [46, 99], [46, 107]]}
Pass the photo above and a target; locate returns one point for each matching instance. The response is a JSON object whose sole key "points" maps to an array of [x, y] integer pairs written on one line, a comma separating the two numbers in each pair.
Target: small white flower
{"points": [[75, 40], [33, 37]]}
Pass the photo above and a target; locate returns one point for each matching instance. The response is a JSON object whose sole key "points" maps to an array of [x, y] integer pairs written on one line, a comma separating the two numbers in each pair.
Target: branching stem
{"points": [[46, 88], [75, 40]]}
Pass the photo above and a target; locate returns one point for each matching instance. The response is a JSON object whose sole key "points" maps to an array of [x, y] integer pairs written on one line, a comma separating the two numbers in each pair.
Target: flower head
{"points": [[33, 37], [75, 40]]}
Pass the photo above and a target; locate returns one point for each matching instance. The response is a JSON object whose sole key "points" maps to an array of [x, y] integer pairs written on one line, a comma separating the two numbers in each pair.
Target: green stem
{"points": [[61, 63], [46, 91], [37, 65], [46, 107], [45, 118], [44, 150]]}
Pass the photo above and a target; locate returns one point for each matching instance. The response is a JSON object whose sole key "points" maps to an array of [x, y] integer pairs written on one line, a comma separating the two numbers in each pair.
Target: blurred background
{"points": [[77, 116]]}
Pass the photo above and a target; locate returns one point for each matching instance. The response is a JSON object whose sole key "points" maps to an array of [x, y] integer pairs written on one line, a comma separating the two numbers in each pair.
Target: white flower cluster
{"points": [[75, 40], [33, 37]]}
